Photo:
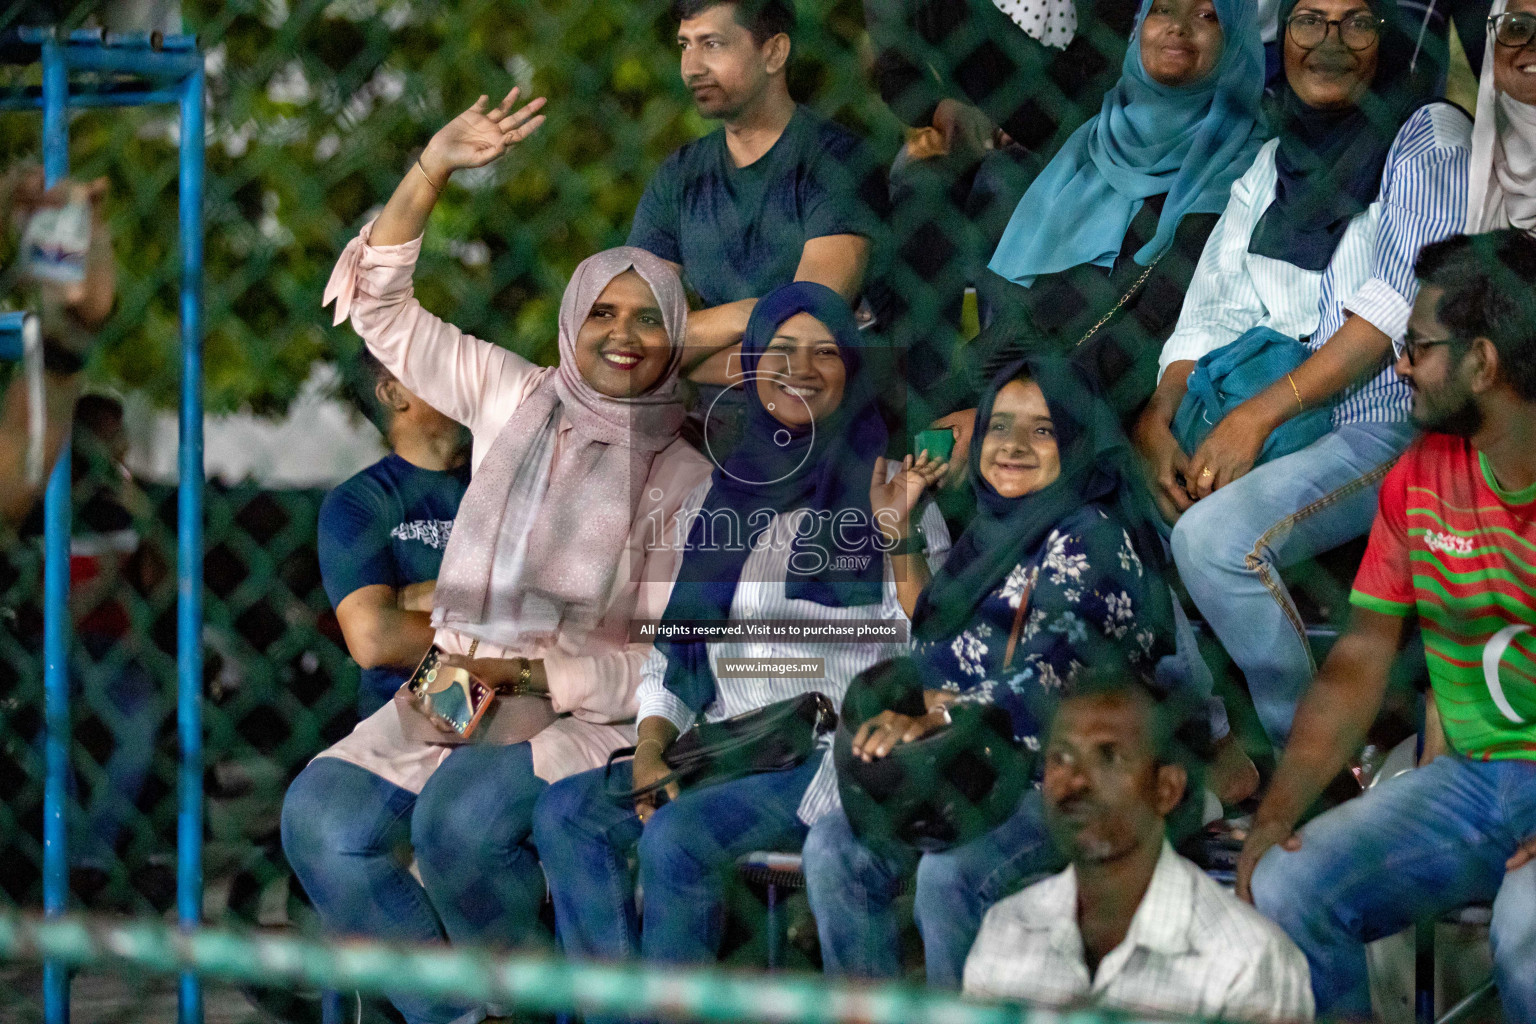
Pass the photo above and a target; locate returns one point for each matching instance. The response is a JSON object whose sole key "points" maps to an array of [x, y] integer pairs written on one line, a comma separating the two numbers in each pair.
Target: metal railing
{"points": [[120, 71], [512, 983]]}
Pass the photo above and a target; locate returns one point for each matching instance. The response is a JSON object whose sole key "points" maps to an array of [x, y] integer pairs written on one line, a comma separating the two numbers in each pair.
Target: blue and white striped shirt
{"points": [[761, 594], [1423, 199]]}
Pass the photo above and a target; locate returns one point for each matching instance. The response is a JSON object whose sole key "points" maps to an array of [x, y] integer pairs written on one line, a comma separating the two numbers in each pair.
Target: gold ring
{"points": [[1206, 472]]}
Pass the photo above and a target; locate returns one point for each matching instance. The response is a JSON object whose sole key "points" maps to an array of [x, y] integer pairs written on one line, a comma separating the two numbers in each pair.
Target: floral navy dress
{"points": [[1089, 586]]}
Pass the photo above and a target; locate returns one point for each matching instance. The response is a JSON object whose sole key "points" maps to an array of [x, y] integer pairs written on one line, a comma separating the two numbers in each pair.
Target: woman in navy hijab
{"points": [[785, 530]]}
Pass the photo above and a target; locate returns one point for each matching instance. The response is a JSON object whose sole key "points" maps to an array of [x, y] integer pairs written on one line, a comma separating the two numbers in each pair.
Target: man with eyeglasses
{"points": [[1452, 546]]}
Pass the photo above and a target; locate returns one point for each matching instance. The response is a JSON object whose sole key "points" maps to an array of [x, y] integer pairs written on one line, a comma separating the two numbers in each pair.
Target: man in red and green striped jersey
{"points": [[1454, 545]]}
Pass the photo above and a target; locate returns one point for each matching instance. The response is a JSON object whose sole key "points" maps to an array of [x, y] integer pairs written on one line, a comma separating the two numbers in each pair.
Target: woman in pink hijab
{"points": [[556, 548]]}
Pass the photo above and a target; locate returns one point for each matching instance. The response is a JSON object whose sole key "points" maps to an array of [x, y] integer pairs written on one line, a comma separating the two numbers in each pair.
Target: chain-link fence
{"points": [[315, 109]]}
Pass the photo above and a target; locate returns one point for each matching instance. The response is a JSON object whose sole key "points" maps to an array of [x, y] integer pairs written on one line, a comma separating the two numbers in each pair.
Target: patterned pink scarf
{"points": [[538, 538]]}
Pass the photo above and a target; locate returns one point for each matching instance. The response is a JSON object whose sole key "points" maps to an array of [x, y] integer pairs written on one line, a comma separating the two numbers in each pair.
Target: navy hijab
{"points": [[825, 468], [1097, 467], [1329, 162]]}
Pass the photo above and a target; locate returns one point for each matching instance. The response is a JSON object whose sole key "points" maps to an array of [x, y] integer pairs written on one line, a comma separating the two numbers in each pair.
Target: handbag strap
{"points": [[1134, 288], [634, 794], [1018, 623]]}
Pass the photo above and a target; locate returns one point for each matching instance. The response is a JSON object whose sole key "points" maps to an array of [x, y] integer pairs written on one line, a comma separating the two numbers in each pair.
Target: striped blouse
{"points": [[761, 595], [1423, 199]]}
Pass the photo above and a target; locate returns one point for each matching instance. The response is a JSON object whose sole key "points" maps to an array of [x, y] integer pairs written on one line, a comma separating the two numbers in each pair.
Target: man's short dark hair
{"points": [[1489, 293], [763, 18], [1180, 730], [363, 380]]}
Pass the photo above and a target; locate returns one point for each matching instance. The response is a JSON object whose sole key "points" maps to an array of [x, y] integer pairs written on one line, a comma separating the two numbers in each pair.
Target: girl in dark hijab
{"points": [[1062, 526], [1060, 570]]}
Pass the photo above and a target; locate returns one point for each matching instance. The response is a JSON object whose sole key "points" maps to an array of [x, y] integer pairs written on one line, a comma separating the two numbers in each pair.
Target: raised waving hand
{"points": [[473, 139], [478, 136]]}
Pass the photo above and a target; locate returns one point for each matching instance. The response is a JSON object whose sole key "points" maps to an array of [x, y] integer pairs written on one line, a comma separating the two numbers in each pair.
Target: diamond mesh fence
{"points": [[316, 108]]}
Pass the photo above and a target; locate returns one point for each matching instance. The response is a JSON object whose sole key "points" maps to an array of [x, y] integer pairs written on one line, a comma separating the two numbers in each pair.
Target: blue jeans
{"points": [[853, 890], [128, 700], [686, 856], [1231, 546], [347, 834], [1410, 849], [372, 697]]}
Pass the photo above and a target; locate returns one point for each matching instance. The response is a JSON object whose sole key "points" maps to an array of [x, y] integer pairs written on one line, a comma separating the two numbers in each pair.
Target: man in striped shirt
{"points": [[1454, 544]]}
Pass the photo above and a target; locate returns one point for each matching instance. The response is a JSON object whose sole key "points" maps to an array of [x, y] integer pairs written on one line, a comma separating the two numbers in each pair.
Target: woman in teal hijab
{"points": [[1097, 256]]}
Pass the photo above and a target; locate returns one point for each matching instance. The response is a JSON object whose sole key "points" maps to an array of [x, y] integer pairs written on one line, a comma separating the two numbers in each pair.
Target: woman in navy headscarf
{"points": [[784, 530]]}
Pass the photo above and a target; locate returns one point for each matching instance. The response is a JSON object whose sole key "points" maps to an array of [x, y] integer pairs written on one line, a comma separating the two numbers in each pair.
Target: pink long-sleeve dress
{"points": [[592, 676]]}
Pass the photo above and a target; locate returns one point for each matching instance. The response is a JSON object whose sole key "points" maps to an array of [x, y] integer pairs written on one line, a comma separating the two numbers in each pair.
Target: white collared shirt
{"points": [[1193, 949]]}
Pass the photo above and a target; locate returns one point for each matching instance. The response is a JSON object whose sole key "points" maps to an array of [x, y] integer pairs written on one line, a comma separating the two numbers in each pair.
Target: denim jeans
{"points": [[1410, 849], [853, 890], [371, 698], [130, 706], [686, 854], [346, 833], [1231, 546]]}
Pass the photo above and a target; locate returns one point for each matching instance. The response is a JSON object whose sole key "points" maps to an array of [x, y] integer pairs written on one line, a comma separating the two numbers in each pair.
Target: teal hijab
{"points": [[1191, 142]]}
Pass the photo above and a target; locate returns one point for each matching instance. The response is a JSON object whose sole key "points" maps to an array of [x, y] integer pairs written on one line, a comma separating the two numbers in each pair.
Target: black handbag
{"points": [[773, 738], [944, 790]]}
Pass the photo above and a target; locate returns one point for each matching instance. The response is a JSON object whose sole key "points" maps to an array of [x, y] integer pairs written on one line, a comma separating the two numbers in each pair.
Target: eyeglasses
{"points": [[1358, 31], [1414, 347], [1513, 28]]}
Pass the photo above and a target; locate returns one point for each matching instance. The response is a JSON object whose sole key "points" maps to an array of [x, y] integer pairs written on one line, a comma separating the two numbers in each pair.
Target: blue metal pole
{"points": [[56, 519], [11, 348], [189, 541]]}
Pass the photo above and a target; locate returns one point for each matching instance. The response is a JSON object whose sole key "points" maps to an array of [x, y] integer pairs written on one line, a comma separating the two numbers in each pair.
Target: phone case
{"points": [[449, 694], [939, 444]]}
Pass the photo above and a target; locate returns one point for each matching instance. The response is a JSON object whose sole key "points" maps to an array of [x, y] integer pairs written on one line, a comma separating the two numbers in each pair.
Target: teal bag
{"points": [[1229, 376]]}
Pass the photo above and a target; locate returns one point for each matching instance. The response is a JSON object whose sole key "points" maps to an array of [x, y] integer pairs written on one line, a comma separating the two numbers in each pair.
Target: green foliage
{"points": [[316, 109]]}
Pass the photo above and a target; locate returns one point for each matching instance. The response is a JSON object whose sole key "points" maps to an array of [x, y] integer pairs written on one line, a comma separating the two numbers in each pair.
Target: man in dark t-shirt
{"points": [[382, 534], [778, 194]]}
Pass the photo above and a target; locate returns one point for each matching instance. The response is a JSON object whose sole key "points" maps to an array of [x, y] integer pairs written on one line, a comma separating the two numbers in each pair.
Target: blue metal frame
{"points": [[10, 336], [168, 70]]}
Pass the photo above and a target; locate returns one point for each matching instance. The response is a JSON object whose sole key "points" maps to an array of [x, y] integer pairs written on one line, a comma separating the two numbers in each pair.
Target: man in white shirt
{"points": [[1130, 924]]}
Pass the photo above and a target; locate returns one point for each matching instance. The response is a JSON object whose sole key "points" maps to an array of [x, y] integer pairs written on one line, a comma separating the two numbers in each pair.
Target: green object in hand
{"points": [[939, 444]]}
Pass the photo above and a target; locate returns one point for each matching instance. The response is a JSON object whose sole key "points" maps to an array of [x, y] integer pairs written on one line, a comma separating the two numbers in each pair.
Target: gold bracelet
{"points": [[659, 745], [1300, 405], [435, 186], [524, 678]]}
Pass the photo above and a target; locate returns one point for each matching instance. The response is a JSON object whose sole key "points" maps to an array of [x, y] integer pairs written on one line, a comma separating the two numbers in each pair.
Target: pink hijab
{"points": [[538, 538]]}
